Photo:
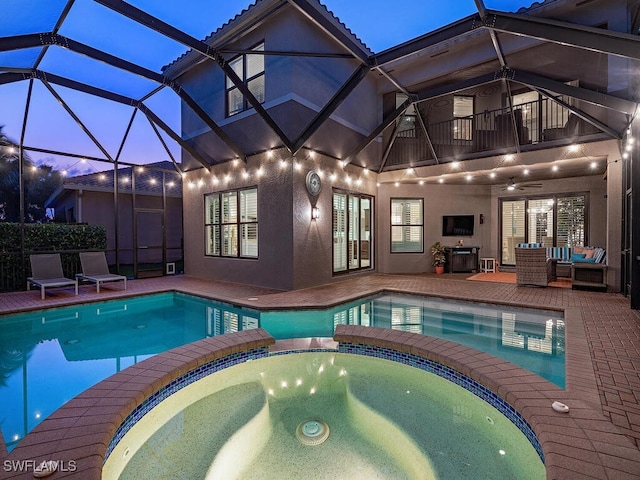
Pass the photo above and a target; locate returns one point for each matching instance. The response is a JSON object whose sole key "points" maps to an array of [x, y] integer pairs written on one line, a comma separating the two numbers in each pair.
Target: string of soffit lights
{"points": [[505, 161], [84, 161], [282, 164]]}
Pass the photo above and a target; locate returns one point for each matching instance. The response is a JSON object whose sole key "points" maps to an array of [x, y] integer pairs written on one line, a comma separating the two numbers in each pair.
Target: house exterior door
{"points": [[149, 251]]}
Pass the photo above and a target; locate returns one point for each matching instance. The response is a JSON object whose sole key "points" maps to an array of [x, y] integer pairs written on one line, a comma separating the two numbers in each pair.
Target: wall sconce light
{"points": [[315, 213]]}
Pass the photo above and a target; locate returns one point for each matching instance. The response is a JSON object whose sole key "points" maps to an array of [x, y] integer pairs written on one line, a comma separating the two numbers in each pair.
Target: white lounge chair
{"points": [[96, 270], [46, 271]]}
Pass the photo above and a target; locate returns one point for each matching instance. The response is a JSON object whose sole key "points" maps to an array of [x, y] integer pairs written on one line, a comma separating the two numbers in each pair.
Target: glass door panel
{"points": [[339, 232], [354, 232], [365, 232], [513, 226], [540, 219]]}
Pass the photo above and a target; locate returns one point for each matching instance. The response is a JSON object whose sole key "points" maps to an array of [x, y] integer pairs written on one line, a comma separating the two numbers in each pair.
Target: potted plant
{"points": [[439, 258]]}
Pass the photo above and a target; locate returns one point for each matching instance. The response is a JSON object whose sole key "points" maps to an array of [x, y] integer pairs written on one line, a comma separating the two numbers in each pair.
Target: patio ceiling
{"points": [[47, 42]]}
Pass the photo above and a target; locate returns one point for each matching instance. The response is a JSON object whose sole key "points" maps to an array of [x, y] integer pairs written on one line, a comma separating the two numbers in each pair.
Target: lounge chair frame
{"points": [[46, 271], [96, 270]]}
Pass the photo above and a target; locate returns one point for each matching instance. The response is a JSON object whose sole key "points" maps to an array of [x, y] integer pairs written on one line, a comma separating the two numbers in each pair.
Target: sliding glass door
{"points": [[554, 220], [352, 231]]}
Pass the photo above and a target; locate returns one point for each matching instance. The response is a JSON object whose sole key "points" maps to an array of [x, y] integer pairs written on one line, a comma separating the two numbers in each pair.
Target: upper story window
{"points": [[463, 117], [250, 69]]}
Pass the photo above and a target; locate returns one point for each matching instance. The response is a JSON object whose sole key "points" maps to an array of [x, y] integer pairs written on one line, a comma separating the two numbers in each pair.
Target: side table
{"points": [[488, 265]]}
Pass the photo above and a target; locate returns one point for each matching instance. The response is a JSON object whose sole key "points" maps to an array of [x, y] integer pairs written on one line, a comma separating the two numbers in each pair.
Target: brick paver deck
{"points": [[602, 333]]}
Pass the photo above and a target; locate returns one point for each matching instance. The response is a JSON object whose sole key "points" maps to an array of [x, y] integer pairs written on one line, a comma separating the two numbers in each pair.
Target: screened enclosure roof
{"points": [[107, 72]]}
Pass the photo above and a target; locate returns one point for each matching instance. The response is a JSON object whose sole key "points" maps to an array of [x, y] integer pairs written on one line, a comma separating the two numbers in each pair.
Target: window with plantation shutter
{"points": [[407, 225], [231, 224], [250, 70], [571, 221]]}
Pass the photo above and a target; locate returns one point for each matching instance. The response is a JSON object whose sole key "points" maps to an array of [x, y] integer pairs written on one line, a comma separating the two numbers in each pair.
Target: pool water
{"points": [[386, 421], [47, 357]]}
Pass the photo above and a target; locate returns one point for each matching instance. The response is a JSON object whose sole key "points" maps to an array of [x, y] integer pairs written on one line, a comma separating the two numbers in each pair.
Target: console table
{"points": [[462, 259]]}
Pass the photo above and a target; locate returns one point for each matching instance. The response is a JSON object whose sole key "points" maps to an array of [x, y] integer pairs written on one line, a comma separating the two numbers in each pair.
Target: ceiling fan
{"points": [[512, 185]]}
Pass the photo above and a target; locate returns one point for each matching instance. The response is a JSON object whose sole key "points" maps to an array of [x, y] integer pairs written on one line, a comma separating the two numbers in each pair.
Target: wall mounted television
{"points": [[457, 225]]}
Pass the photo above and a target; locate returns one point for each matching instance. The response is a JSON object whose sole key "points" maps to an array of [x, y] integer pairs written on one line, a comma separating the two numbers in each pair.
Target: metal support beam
{"points": [[164, 144], [461, 27], [512, 115], [392, 140], [48, 39], [204, 159], [426, 134], [50, 78], [580, 114], [202, 48], [338, 34], [331, 106], [377, 131], [482, 10], [77, 119], [564, 33], [450, 88], [599, 99], [215, 128]]}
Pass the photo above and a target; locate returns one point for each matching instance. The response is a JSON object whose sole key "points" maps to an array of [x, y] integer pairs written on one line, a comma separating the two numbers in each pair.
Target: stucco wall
{"points": [[438, 200], [273, 267]]}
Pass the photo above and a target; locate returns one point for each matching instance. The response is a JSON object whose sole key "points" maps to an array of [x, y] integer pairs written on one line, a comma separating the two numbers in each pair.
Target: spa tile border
{"points": [[79, 433], [581, 444]]}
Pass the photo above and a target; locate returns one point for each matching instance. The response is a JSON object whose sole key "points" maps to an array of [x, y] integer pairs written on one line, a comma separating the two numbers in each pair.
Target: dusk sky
{"points": [[377, 23]]}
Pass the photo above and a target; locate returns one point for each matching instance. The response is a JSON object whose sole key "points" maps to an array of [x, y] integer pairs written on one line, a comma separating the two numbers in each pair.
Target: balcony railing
{"points": [[492, 130]]}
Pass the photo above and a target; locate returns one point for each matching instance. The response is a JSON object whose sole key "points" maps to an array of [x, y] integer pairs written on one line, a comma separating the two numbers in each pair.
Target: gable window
{"points": [[231, 223], [407, 226], [463, 117], [250, 69], [352, 231]]}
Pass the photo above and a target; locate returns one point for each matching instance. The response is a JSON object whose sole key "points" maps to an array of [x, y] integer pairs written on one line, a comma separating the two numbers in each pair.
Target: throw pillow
{"points": [[589, 253], [576, 257], [585, 260]]}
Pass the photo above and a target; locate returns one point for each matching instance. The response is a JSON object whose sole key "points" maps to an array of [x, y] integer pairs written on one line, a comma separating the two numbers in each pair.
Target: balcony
{"points": [[539, 124]]}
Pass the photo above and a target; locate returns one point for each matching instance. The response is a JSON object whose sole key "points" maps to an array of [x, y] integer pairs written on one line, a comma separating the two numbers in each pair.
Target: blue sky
{"points": [[380, 24]]}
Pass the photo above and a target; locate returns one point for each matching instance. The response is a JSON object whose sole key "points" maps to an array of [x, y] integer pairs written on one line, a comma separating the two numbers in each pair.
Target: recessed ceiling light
{"points": [[421, 182], [574, 148], [554, 168], [509, 157], [594, 165], [455, 164], [397, 184], [441, 180], [525, 171], [492, 175], [469, 177]]}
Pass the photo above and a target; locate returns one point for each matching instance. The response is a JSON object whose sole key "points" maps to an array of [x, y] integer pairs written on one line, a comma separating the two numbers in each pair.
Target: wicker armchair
{"points": [[534, 268]]}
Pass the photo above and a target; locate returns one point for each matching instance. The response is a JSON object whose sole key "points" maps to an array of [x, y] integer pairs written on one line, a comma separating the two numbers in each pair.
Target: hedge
{"points": [[50, 237]]}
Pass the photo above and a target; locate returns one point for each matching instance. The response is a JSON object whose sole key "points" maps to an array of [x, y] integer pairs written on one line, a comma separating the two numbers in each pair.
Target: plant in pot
{"points": [[439, 258]]}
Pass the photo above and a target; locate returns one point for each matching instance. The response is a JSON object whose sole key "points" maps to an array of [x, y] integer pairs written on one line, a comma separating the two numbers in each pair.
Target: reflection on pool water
{"points": [[47, 357], [386, 421]]}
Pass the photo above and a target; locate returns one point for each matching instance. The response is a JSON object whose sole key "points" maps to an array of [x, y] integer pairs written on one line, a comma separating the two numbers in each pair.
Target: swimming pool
{"points": [[50, 356], [381, 420]]}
